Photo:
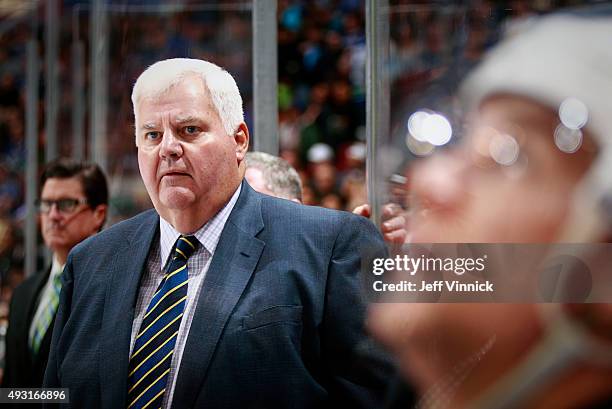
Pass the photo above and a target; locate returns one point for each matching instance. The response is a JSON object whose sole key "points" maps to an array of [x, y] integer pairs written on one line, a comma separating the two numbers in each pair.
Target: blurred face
{"points": [[324, 177], [257, 181], [188, 162], [62, 230], [467, 196]]}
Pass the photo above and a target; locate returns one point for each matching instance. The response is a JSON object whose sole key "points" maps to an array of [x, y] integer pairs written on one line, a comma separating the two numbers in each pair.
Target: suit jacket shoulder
{"points": [[115, 236], [302, 220]]}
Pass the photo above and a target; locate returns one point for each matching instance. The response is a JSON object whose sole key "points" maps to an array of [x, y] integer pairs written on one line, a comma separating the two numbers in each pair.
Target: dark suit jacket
{"points": [[279, 321], [22, 369]]}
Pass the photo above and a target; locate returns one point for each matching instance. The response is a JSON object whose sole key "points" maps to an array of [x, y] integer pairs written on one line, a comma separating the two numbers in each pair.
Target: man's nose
{"points": [[170, 145], [54, 213], [440, 182]]}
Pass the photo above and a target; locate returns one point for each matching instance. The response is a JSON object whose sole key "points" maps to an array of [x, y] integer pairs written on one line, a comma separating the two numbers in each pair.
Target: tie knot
{"points": [[185, 246]]}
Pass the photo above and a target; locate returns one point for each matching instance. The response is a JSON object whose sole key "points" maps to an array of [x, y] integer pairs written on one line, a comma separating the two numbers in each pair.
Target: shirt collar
{"points": [[208, 235], [56, 267]]}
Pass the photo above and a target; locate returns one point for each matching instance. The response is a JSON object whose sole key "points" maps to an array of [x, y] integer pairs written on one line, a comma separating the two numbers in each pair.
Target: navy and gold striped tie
{"points": [[154, 345]]}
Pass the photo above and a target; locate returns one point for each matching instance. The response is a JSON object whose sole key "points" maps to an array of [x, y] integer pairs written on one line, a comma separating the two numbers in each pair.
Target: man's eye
{"points": [[67, 205], [152, 136], [191, 130]]}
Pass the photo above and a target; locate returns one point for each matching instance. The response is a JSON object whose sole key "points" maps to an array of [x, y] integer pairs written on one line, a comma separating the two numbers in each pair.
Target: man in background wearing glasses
{"points": [[72, 206]]}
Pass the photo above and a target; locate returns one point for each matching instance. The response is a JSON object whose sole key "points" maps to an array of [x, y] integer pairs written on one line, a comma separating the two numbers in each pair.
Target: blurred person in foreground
{"points": [[548, 89], [72, 205], [220, 296], [272, 175]]}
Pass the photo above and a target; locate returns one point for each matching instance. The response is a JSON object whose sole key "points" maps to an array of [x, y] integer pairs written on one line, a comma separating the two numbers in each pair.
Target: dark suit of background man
{"points": [[72, 205], [221, 297]]}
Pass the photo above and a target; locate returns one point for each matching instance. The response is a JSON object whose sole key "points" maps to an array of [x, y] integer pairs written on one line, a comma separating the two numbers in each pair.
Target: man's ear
{"points": [[241, 136], [99, 214]]}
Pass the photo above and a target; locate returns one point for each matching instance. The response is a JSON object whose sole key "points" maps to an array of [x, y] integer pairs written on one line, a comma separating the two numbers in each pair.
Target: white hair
{"points": [[280, 177], [224, 93]]}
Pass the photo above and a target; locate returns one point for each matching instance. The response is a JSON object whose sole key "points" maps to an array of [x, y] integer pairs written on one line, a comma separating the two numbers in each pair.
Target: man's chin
{"points": [[177, 198], [52, 240], [55, 245]]}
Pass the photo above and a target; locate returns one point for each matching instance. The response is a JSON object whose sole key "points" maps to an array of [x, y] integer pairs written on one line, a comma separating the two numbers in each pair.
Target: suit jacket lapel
{"points": [[233, 263], [34, 291], [124, 274], [31, 300]]}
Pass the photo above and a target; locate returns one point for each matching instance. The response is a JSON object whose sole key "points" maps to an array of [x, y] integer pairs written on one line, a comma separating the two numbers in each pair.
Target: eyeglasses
{"points": [[62, 205]]}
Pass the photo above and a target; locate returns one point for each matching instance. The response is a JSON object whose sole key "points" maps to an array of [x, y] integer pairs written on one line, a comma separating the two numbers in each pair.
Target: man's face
{"points": [[464, 197], [186, 158], [62, 230]]}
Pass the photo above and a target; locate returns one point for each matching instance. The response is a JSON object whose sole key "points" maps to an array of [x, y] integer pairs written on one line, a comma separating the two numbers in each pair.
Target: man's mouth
{"points": [[174, 173]]}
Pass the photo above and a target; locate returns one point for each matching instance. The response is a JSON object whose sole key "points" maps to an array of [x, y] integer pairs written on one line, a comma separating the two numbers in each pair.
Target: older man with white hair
{"points": [[220, 297]]}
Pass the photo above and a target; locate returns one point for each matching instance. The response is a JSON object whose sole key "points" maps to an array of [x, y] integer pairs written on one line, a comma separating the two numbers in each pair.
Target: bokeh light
{"points": [[568, 140], [429, 127], [504, 149], [573, 113], [437, 129], [415, 125], [417, 147]]}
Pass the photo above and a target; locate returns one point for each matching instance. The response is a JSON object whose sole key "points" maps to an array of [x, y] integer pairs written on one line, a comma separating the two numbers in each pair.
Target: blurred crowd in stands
{"points": [[321, 93]]}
